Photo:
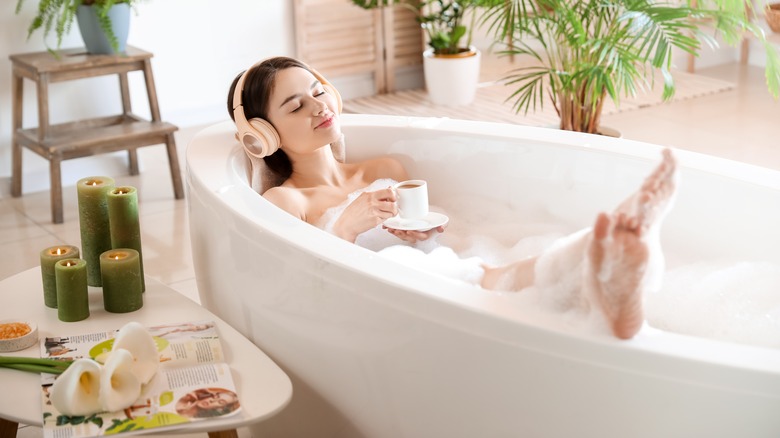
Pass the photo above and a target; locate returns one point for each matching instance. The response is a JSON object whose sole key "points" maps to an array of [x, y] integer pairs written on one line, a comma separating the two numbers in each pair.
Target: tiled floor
{"points": [[741, 124]]}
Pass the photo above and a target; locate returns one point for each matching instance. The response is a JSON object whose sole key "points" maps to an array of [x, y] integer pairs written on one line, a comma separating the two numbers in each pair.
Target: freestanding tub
{"points": [[379, 349]]}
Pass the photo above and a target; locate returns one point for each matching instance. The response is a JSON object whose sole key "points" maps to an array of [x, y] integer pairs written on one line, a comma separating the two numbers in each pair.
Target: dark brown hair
{"points": [[256, 96]]}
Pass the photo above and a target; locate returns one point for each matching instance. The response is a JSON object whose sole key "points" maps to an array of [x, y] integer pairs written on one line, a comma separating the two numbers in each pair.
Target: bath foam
{"points": [[442, 260], [496, 232], [735, 302]]}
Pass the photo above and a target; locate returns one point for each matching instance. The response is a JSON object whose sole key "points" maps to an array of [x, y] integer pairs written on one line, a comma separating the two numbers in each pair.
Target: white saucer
{"points": [[431, 221]]}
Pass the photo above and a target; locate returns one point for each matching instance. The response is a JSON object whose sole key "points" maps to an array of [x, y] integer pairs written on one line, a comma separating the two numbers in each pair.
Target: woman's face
{"points": [[305, 116], [217, 401]]}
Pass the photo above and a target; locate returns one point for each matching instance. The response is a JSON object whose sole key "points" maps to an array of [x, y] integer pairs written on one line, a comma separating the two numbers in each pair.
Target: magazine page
{"points": [[192, 384], [185, 343]]}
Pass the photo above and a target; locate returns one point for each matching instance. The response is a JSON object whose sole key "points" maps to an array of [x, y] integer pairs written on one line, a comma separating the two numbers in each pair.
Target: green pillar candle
{"points": [[93, 221], [121, 270], [72, 297], [124, 223], [49, 257]]}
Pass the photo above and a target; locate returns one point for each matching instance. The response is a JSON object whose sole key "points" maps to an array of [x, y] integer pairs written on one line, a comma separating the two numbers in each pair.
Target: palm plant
{"points": [[586, 50]]}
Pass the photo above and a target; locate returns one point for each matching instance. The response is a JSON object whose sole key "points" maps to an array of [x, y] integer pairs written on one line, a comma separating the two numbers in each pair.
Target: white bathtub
{"points": [[378, 349]]}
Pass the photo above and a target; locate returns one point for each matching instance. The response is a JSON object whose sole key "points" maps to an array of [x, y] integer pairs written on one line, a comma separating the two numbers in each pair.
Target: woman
{"points": [[606, 268], [207, 402]]}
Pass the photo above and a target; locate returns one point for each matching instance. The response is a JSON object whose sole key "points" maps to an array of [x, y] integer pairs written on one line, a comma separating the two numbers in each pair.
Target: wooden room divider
{"points": [[340, 39]]}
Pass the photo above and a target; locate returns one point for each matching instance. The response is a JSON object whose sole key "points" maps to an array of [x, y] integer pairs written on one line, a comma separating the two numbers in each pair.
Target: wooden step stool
{"points": [[57, 143]]}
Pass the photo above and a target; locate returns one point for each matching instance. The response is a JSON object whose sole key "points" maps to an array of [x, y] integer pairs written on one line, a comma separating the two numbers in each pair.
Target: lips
{"points": [[326, 123]]}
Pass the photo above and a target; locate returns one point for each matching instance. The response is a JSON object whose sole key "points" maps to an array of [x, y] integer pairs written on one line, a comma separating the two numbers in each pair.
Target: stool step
{"points": [[95, 136]]}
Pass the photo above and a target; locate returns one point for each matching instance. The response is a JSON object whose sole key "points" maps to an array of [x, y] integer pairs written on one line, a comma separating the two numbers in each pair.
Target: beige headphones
{"points": [[259, 137]]}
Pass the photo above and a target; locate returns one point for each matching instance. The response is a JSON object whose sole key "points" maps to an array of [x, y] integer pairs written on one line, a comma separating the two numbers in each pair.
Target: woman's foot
{"points": [[618, 254], [649, 204]]}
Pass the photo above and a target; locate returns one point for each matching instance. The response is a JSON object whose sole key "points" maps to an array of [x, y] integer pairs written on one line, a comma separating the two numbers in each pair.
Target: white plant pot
{"points": [[451, 79]]}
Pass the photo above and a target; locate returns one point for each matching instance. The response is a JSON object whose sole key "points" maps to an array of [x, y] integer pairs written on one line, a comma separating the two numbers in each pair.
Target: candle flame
{"points": [[68, 263], [93, 182], [116, 255], [59, 251]]}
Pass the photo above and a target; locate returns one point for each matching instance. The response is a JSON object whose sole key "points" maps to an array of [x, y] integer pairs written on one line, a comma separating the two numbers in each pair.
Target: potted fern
{"points": [[451, 65], [104, 24], [588, 50]]}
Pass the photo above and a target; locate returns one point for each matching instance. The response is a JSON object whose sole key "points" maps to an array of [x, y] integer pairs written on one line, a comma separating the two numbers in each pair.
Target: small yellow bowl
{"points": [[20, 342]]}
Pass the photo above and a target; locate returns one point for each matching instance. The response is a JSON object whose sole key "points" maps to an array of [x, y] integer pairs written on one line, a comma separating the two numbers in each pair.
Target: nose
{"points": [[320, 108]]}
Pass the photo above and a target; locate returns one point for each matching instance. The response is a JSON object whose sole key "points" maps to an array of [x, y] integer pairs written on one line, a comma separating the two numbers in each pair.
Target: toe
{"points": [[601, 229]]}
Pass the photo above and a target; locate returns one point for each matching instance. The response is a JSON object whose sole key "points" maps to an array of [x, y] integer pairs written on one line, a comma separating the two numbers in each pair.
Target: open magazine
{"points": [[191, 384]]}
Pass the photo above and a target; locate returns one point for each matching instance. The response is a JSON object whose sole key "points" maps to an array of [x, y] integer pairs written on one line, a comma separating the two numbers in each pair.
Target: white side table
{"points": [[263, 388]]}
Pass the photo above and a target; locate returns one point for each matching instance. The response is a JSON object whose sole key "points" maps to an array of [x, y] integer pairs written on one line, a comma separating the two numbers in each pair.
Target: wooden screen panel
{"points": [[339, 39], [406, 38], [403, 42]]}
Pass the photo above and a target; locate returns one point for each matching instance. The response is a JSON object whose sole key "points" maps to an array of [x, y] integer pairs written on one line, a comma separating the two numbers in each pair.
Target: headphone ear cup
{"points": [[260, 138]]}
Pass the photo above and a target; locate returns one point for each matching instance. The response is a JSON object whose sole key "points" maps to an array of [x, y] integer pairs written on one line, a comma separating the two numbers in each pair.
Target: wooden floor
{"points": [[493, 101]]}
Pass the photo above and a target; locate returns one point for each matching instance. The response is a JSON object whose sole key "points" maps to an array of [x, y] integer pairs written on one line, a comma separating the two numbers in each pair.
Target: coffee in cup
{"points": [[412, 199]]}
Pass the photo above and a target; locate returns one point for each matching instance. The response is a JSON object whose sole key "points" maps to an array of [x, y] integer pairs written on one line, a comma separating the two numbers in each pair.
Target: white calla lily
{"points": [[102, 357], [77, 390], [134, 338], [119, 387]]}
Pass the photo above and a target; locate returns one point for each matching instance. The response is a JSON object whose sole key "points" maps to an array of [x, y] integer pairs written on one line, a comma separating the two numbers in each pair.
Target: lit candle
{"points": [[72, 297], [124, 224], [121, 270], [49, 257], [93, 221]]}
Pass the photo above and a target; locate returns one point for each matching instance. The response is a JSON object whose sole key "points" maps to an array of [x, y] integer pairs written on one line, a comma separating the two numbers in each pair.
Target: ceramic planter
{"points": [[451, 79], [95, 39]]}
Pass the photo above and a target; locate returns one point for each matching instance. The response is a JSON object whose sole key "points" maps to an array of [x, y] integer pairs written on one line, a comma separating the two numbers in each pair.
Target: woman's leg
{"points": [[618, 253], [603, 268], [514, 276]]}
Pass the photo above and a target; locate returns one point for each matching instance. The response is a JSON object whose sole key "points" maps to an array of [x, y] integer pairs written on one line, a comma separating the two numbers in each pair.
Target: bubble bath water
{"points": [[735, 301]]}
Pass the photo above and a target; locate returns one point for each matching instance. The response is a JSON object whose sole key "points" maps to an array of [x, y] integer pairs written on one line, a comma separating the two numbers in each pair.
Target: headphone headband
{"points": [[257, 135]]}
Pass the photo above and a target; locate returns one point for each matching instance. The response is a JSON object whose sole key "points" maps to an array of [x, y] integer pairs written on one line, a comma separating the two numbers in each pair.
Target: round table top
{"points": [[262, 387]]}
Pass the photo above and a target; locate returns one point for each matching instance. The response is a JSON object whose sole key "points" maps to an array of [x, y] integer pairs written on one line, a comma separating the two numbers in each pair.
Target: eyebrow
{"points": [[295, 96]]}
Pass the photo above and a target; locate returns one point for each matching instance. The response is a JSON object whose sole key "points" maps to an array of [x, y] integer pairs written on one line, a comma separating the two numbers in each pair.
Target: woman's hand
{"points": [[366, 212], [414, 236]]}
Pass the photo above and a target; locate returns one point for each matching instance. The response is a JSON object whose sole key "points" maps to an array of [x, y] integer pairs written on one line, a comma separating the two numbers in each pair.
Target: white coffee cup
{"points": [[412, 199]]}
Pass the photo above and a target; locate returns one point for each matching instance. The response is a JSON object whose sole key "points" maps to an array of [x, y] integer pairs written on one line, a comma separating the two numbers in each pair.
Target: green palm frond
{"points": [[587, 49]]}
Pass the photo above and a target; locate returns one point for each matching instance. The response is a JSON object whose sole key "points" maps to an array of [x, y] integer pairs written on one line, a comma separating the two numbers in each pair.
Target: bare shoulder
{"points": [[385, 167], [288, 199]]}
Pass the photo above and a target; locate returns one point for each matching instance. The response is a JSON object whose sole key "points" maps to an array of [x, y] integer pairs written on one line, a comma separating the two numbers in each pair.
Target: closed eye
{"points": [[316, 94]]}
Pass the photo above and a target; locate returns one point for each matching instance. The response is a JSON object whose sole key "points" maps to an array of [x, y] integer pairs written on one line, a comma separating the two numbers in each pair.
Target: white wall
{"points": [[198, 45]]}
